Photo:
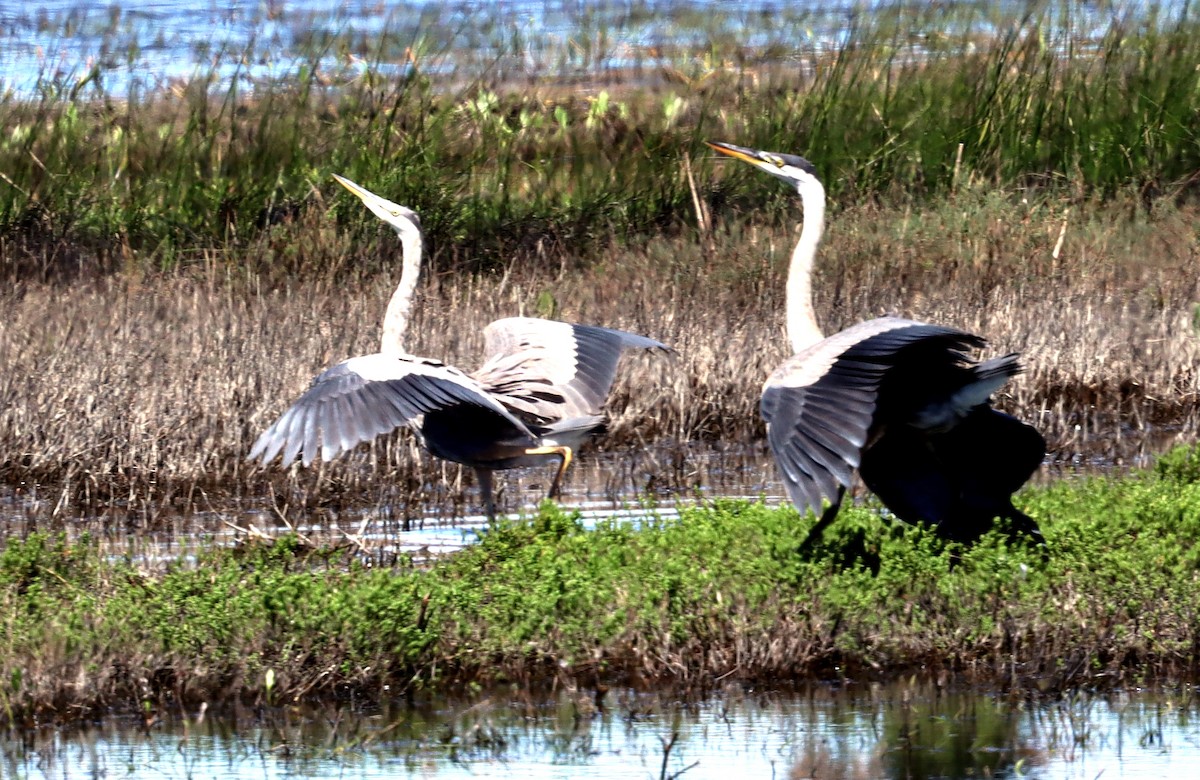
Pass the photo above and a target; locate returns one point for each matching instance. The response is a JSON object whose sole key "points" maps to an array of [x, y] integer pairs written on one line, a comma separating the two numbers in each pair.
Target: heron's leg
{"points": [[814, 533], [1021, 523], [485, 487], [566, 455]]}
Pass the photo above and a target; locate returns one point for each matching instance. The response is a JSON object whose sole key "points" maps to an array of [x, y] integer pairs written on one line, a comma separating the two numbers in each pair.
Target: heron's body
{"points": [[898, 400], [538, 395]]}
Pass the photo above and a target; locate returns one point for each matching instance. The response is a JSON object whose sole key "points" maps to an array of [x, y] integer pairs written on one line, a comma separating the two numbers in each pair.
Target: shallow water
{"points": [[145, 46], [854, 731], [655, 482], [121, 49]]}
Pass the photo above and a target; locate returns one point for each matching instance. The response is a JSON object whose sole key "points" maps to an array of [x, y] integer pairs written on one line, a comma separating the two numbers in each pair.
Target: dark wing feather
{"points": [[364, 397], [821, 404], [958, 481], [794, 416], [554, 370]]}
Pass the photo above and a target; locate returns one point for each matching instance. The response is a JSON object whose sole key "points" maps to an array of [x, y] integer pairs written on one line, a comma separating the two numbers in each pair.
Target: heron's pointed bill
{"points": [[789, 167], [383, 208], [752, 156], [772, 163]]}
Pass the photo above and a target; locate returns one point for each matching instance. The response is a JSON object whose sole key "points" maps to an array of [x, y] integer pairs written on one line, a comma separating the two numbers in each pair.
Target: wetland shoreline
{"points": [[718, 594], [176, 268]]}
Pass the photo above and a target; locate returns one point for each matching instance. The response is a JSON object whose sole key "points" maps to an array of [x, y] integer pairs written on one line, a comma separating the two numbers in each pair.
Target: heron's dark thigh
{"points": [[473, 435]]}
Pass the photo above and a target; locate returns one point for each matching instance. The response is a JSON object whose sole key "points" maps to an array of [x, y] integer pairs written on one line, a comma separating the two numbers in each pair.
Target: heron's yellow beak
{"points": [[361, 192], [738, 152], [383, 208]]}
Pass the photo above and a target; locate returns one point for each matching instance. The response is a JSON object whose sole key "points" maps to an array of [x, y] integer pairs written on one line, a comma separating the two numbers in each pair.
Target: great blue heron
{"points": [[896, 399], [538, 395]]}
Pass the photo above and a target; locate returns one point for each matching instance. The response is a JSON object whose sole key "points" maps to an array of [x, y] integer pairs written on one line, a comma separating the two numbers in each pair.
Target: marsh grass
{"points": [[718, 593], [915, 101], [178, 266], [141, 394]]}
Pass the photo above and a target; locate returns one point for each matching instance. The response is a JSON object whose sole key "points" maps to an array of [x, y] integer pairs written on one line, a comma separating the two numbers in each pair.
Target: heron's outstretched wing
{"points": [[554, 370], [959, 480], [363, 397], [820, 405]]}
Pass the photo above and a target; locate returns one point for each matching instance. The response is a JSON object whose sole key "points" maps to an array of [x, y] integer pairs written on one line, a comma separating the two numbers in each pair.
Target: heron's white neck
{"points": [[395, 321], [802, 328]]}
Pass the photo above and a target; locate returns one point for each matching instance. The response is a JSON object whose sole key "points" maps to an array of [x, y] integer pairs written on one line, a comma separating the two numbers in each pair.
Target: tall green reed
{"points": [[912, 102]]}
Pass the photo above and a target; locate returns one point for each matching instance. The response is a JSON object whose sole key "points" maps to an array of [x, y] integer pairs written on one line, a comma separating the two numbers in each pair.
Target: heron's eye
{"points": [[778, 161]]}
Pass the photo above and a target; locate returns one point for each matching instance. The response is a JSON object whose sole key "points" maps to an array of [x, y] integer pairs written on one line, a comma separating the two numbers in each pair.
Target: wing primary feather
{"points": [[330, 440], [292, 437], [359, 419], [266, 447], [342, 427], [310, 430]]}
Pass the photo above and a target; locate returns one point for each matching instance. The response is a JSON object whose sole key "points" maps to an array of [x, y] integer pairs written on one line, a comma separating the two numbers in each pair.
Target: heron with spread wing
{"points": [[898, 400], [538, 396]]}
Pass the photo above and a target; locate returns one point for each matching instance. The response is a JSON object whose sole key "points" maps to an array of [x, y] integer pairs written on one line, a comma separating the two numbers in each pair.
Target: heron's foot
{"points": [[814, 533], [1023, 529], [566, 455]]}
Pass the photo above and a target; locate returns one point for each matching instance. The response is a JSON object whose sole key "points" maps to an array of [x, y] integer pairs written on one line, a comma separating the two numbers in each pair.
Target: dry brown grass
{"points": [[141, 395]]}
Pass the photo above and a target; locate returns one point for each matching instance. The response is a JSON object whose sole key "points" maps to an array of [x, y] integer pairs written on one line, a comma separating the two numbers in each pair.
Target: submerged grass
{"points": [[721, 592]]}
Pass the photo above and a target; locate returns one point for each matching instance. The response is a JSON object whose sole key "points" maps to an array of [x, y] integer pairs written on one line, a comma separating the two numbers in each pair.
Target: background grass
{"points": [[915, 102], [133, 398], [178, 264]]}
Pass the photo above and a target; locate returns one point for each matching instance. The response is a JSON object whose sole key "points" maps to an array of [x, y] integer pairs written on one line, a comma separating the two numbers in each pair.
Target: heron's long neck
{"points": [[395, 321], [802, 328]]}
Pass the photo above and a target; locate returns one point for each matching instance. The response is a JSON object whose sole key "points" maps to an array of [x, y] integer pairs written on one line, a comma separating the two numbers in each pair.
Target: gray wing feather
{"points": [[364, 397], [268, 448], [816, 445], [311, 432], [295, 428], [554, 370], [861, 348], [820, 404], [349, 418]]}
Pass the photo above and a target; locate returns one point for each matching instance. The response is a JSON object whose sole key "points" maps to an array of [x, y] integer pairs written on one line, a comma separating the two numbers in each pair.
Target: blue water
{"points": [[119, 50], [134, 47]]}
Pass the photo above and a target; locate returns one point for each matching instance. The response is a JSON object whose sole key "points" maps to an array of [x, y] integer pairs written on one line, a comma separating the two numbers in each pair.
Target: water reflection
{"points": [[633, 485], [901, 730]]}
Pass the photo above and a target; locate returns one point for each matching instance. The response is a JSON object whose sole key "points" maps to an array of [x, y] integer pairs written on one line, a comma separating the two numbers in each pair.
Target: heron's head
{"points": [[402, 218], [793, 169]]}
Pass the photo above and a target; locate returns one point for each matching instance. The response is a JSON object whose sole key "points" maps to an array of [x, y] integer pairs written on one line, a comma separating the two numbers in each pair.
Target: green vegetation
{"points": [[918, 101], [720, 591], [174, 279]]}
